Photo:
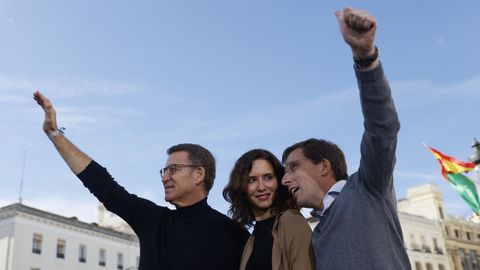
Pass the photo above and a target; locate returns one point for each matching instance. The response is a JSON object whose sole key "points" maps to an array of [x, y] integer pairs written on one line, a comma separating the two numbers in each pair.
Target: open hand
{"points": [[50, 122]]}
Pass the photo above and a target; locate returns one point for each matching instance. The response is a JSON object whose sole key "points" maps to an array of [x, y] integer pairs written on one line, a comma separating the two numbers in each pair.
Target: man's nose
{"points": [[286, 179], [165, 177]]}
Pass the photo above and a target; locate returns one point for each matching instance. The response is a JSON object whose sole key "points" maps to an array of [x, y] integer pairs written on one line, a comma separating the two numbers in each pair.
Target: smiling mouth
{"points": [[263, 197], [293, 190]]}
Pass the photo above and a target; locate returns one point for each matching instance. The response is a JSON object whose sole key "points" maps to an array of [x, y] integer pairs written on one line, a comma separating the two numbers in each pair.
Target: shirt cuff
{"points": [[91, 172], [370, 75]]}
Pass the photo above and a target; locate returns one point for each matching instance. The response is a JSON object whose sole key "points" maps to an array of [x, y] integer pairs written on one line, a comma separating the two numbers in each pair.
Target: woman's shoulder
{"points": [[291, 215], [292, 224]]}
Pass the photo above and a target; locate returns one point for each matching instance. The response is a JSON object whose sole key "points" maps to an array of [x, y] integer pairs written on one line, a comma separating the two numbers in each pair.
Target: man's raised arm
{"points": [[381, 121], [75, 159]]}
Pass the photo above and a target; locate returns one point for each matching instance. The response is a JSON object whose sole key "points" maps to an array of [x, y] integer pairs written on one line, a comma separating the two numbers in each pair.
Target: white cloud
{"points": [[417, 175], [13, 98], [84, 210], [20, 89], [426, 87], [7, 200], [269, 120], [93, 117]]}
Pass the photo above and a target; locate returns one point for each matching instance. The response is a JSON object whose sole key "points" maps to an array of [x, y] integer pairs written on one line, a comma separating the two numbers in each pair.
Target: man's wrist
{"points": [[56, 132], [363, 61]]}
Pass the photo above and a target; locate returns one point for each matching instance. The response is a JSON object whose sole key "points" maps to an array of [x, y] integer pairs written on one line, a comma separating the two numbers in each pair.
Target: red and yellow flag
{"points": [[451, 164]]}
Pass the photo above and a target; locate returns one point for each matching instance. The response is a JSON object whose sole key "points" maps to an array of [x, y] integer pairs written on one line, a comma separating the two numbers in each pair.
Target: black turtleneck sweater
{"points": [[192, 237], [261, 257]]}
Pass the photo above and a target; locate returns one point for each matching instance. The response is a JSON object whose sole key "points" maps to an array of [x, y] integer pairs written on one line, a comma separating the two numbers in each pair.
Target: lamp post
{"points": [[475, 157]]}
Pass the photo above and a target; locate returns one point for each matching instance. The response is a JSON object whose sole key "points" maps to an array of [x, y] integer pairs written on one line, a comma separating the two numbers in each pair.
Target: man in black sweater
{"points": [[194, 236]]}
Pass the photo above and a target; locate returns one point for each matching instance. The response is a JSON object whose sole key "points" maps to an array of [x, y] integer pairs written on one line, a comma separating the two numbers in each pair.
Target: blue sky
{"points": [[131, 78]]}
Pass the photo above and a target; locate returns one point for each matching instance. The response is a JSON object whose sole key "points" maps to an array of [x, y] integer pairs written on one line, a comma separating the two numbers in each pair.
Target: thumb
{"points": [[339, 15]]}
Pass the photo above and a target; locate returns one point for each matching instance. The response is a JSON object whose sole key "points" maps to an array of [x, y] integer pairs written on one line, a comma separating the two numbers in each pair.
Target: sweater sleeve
{"points": [[296, 235], [381, 128], [134, 210]]}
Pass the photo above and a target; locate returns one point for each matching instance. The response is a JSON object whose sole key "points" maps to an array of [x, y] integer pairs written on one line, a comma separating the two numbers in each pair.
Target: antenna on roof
{"points": [[23, 175]]}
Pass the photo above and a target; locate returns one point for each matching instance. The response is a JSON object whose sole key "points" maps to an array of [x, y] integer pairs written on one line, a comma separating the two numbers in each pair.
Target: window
{"points": [[425, 247], [119, 261], [418, 266], [468, 236], [82, 253], [102, 257], [61, 248], [457, 233], [436, 248], [429, 266], [441, 267], [37, 243], [463, 258], [414, 246], [447, 231], [473, 259]]}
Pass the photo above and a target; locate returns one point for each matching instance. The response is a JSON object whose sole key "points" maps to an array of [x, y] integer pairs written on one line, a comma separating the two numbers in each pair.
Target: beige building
{"points": [[463, 243], [461, 236], [424, 242]]}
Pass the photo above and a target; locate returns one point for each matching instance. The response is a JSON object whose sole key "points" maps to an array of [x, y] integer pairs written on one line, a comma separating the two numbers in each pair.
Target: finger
{"points": [[351, 19], [42, 101], [36, 97], [364, 21], [347, 13], [369, 22]]}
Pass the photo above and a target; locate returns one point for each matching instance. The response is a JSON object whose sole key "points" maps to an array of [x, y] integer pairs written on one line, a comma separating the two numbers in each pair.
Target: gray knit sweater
{"points": [[361, 229]]}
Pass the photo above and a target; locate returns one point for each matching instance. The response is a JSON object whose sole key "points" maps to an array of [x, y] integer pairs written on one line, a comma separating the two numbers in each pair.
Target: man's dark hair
{"points": [[316, 150], [200, 156]]}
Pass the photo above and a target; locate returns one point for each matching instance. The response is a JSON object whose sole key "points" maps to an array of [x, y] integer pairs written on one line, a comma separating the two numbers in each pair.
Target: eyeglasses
{"points": [[173, 168], [293, 165]]}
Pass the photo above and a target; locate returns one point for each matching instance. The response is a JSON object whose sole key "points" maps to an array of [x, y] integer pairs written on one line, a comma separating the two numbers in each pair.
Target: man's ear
{"points": [[199, 175], [325, 167]]}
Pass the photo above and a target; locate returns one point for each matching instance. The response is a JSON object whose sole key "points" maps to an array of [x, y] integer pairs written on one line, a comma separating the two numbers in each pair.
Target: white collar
{"points": [[332, 194]]}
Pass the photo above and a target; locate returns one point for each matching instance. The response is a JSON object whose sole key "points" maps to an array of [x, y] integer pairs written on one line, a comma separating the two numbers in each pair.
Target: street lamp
{"points": [[475, 157]]}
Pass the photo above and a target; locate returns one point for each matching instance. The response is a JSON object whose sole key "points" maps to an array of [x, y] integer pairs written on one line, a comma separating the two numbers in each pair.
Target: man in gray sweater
{"points": [[359, 226]]}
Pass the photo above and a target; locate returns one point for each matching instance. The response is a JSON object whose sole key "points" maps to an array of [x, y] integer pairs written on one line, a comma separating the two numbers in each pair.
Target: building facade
{"points": [[463, 243], [31, 239], [424, 242], [461, 236]]}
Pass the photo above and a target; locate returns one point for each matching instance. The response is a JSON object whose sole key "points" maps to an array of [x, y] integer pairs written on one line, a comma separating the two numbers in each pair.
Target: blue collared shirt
{"points": [[332, 194]]}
